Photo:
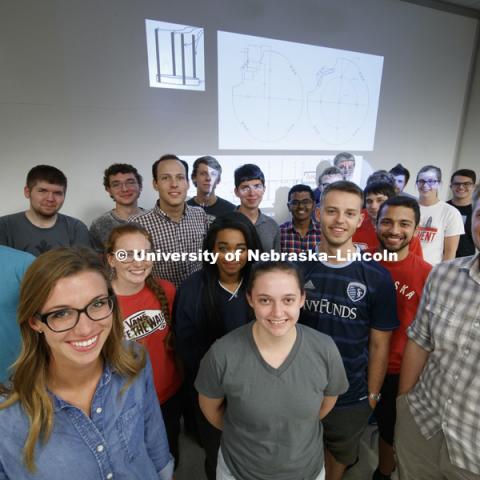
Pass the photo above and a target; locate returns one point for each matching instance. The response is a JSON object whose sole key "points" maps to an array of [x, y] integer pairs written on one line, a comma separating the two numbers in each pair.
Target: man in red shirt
{"points": [[365, 237], [397, 220]]}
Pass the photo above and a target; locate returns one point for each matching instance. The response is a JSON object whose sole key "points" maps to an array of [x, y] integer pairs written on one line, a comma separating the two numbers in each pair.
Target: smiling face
{"points": [[340, 216], [130, 275], [462, 188], [427, 185], [46, 199], [230, 240], [123, 188], [81, 346], [276, 300], [171, 184], [301, 206], [395, 229]]}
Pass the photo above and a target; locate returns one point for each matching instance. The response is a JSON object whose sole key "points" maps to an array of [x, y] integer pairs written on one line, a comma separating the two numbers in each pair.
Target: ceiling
{"points": [[475, 4], [464, 7]]}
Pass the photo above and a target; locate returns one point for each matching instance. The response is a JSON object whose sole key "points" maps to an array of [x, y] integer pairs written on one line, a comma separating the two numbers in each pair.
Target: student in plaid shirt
{"points": [[302, 233], [438, 426], [173, 225]]}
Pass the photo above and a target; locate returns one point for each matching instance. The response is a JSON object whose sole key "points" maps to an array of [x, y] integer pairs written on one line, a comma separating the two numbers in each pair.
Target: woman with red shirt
{"points": [[146, 308]]}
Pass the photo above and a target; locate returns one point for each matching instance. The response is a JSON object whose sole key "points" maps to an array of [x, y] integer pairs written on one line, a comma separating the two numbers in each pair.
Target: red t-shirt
{"points": [[143, 321], [409, 276], [365, 237]]}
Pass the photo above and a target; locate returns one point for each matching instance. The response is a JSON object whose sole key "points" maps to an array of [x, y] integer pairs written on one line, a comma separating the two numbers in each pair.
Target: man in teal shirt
{"points": [[14, 264]]}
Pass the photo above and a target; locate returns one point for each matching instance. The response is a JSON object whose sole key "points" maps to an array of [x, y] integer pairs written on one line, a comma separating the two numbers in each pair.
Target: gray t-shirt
{"points": [[272, 429], [268, 232], [18, 232], [102, 226]]}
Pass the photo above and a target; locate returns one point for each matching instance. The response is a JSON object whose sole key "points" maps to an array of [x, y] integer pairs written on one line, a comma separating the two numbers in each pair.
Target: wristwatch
{"points": [[375, 396]]}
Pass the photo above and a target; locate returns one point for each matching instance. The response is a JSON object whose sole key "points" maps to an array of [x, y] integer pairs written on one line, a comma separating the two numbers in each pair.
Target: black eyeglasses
{"points": [[67, 318], [304, 203], [462, 184]]}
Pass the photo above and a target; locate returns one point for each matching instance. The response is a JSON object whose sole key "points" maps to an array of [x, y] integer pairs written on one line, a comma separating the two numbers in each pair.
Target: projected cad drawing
{"points": [[281, 95], [175, 55], [339, 104], [272, 88]]}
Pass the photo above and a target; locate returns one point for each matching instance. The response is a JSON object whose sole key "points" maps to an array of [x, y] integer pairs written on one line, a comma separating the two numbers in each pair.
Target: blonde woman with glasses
{"points": [[81, 403]]}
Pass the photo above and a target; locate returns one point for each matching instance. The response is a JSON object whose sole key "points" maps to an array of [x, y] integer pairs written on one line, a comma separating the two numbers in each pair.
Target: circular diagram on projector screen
{"points": [[268, 101], [338, 105]]}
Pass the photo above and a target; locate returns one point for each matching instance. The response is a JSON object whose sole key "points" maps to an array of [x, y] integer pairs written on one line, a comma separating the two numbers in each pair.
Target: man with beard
{"points": [[353, 301], [397, 220], [302, 232], [41, 227]]}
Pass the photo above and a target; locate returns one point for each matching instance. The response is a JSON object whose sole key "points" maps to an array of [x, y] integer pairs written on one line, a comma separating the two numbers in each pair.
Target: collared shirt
{"points": [[291, 241], [124, 437], [447, 325], [267, 231], [170, 237]]}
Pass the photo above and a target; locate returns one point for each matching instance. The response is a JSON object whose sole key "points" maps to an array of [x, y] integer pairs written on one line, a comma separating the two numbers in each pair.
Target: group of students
{"points": [[79, 395], [226, 344]]}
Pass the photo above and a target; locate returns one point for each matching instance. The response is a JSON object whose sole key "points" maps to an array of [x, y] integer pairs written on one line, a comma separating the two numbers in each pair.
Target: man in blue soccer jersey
{"points": [[354, 303]]}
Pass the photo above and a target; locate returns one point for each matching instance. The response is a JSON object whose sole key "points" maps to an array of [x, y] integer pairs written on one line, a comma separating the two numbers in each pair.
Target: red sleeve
{"points": [[416, 246], [169, 289]]}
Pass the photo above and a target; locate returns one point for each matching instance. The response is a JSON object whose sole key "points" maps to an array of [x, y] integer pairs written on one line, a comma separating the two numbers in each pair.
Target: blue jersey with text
{"points": [[345, 301]]}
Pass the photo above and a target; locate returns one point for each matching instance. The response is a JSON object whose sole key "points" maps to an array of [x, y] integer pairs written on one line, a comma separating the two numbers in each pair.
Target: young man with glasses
{"points": [[462, 183], [250, 188], [440, 224], [302, 232], [124, 185]]}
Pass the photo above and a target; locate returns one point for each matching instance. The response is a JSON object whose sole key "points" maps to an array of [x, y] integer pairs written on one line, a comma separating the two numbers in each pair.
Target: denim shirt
{"points": [[124, 437]]}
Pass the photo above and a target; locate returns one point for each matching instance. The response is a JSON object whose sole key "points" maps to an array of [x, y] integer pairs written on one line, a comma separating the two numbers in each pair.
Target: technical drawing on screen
{"points": [[175, 55], [274, 94]]}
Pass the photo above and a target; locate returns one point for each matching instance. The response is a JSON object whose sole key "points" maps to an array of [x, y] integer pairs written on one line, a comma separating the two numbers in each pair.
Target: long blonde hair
{"points": [[30, 371]]}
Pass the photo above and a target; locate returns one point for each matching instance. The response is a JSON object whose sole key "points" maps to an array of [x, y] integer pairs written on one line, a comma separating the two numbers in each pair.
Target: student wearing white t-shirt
{"points": [[440, 224]]}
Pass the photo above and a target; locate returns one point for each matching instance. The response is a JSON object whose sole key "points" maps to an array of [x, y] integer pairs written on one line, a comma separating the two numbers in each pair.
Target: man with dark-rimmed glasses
{"points": [[462, 183]]}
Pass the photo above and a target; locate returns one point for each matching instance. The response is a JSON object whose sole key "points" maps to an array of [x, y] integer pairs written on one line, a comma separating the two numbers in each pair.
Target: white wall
{"points": [[74, 84], [469, 154]]}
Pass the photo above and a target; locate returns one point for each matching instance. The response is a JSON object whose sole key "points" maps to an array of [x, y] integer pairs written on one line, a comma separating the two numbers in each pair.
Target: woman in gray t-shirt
{"points": [[268, 384]]}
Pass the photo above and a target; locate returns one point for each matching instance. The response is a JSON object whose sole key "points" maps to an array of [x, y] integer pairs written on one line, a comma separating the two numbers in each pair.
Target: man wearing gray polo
{"points": [[437, 433]]}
